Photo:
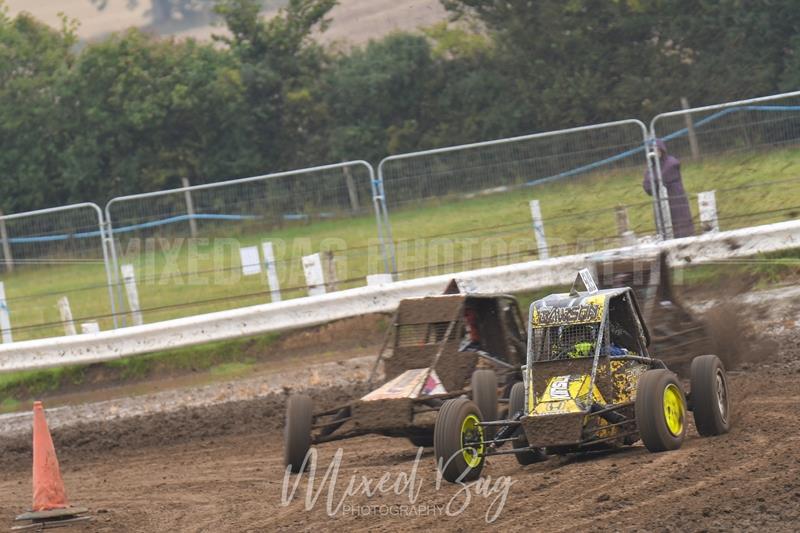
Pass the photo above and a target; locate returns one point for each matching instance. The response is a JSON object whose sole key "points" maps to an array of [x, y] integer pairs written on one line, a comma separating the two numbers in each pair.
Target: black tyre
{"points": [[297, 433], [710, 399], [660, 411], [516, 403], [456, 439], [484, 394], [422, 439], [516, 399]]}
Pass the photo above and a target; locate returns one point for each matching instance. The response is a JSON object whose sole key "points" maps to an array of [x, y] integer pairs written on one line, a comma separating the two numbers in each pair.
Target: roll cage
{"points": [[430, 331], [559, 323]]}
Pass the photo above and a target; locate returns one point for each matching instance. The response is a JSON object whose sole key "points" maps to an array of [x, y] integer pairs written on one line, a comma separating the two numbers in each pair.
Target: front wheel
{"points": [[458, 440], [660, 411], [710, 401], [297, 433]]}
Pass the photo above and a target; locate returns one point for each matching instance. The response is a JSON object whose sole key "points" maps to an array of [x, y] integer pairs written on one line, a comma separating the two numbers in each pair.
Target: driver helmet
{"points": [[578, 340]]}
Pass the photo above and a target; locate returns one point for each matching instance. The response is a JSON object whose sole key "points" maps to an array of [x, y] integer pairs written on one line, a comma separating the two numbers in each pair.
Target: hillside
{"points": [[354, 21]]}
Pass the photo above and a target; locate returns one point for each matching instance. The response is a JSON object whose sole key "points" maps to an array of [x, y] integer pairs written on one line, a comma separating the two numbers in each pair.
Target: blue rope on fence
{"points": [[673, 135], [126, 229], [181, 218], [586, 168], [153, 224], [295, 216]]}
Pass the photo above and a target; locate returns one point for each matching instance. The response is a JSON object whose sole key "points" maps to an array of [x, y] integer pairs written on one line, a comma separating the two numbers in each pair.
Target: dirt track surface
{"points": [[266, 384], [219, 468]]}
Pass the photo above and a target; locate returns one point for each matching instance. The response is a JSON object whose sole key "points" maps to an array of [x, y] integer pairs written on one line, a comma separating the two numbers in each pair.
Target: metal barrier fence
{"points": [[305, 312], [453, 209], [56, 274], [184, 244], [495, 179], [734, 148]]}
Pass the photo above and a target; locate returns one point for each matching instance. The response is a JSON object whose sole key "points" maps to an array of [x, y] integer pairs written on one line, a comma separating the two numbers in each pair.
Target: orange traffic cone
{"points": [[48, 487], [50, 506]]}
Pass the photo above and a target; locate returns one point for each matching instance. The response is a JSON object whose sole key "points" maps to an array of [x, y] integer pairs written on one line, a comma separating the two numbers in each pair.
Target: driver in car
{"points": [[582, 338]]}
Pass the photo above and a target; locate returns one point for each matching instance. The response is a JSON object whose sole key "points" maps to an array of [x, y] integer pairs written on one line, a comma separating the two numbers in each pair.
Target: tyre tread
{"points": [[297, 432], [705, 410], [649, 411]]}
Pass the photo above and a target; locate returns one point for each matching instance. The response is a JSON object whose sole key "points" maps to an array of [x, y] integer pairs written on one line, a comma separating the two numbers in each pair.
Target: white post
{"points": [[707, 201], [251, 262], [90, 327], [626, 235], [189, 208], [272, 271], [129, 280], [538, 230], [315, 279], [66, 316], [666, 214], [5, 320], [7, 257], [660, 200]]}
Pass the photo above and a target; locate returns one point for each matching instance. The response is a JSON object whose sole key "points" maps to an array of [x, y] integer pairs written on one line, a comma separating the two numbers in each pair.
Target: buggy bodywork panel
{"points": [[430, 332], [410, 384]]}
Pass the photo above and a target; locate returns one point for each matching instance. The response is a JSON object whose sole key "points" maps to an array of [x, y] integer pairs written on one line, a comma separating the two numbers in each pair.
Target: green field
{"points": [[182, 278]]}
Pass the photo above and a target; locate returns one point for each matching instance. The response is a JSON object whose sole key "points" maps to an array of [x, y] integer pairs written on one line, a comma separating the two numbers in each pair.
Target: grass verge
{"points": [[223, 359]]}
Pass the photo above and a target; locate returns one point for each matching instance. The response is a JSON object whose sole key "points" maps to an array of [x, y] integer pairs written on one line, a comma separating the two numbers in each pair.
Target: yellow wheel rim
{"points": [[471, 432], [673, 409]]}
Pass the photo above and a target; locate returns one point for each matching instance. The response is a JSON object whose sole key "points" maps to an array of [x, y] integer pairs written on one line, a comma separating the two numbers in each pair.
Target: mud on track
{"points": [[219, 468]]}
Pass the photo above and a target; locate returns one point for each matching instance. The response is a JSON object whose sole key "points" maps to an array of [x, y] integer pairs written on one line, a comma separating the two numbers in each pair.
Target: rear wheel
{"points": [[457, 440], [710, 400], [660, 411], [516, 403], [484, 393], [297, 433]]}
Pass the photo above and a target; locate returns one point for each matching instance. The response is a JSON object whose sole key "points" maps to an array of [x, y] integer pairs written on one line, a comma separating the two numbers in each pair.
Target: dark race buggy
{"points": [[437, 348]]}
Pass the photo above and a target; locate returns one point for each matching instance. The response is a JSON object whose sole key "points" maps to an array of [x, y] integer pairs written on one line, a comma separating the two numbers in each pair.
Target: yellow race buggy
{"points": [[589, 383]]}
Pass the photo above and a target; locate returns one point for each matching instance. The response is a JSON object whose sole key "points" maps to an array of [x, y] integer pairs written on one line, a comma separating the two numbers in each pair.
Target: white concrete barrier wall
{"points": [[314, 310]]}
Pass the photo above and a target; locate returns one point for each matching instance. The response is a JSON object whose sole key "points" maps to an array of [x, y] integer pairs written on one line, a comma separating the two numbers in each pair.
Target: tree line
{"points": [[133, 113]]}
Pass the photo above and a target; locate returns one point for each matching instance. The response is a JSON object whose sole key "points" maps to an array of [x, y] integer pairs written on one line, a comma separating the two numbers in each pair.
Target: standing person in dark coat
{"points": [[682, 225]]}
